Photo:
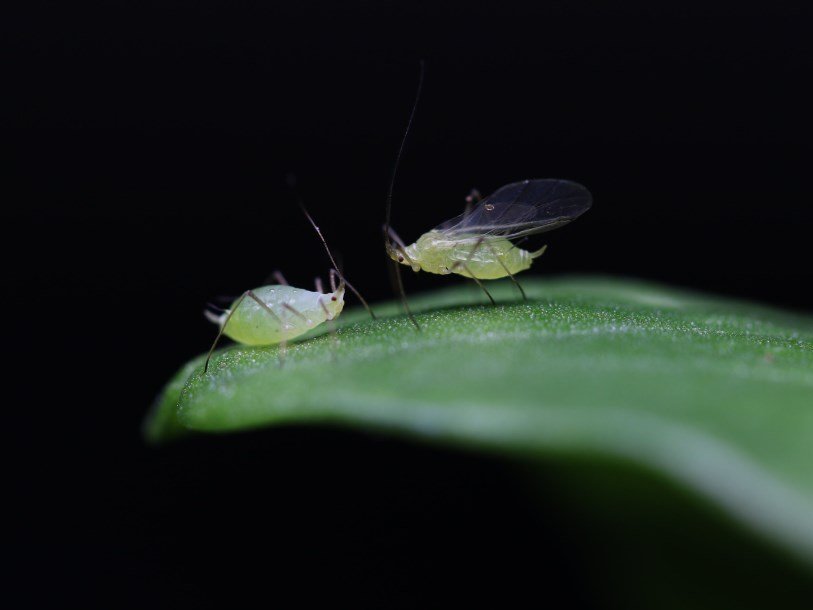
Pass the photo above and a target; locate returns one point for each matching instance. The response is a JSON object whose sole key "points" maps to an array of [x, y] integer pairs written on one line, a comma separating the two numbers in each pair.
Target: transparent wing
{"points": [[522, 208]]}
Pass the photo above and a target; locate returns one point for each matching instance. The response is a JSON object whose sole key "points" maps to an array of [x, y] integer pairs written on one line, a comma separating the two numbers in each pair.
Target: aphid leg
{"points": [[250, 294], [332, 325], [398, 280], [247, 294], [299, 315], [471, 275], [283, 345], [295, 311], [516, 244], [511, 275], [275, 277], [465, 265], [320, 287], [222, 328]]}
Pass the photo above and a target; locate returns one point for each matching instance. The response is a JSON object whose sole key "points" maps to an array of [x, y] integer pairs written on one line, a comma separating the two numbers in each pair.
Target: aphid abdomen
{"points": [[251, 324], [490, 259], [494, 258]]}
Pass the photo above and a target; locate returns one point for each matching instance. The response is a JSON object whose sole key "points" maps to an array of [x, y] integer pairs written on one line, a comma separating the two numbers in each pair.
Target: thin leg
{"points": [[534, 255], [516, 244], [471, 275], [332, 276], [465, 266], [395, 268], [511, 275], [400, 281], [275, 277], [222, 328], [396, 282], [250, 294], [295, 311], [283, 345], [320, 288], [247, 294]]}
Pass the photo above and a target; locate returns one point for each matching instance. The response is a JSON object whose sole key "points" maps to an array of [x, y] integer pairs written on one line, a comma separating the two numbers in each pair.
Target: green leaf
{"points": [[712, 395]]}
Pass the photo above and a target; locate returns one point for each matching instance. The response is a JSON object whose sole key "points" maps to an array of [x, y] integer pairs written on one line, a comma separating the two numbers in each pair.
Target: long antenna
{"points": [[388, 213], [399, 281], [292, 184]]}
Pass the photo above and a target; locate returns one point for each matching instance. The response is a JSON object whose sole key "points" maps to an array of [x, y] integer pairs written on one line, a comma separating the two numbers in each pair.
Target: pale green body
{"points": [[251, 324], [494, 258]]}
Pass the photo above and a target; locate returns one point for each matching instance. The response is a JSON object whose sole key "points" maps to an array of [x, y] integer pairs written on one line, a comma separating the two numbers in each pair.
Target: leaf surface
{"points": [[713, 394]]}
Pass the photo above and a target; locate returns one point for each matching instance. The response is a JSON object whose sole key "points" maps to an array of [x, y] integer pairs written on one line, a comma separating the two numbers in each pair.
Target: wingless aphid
{"points": [[277, 313], [480, 243]]}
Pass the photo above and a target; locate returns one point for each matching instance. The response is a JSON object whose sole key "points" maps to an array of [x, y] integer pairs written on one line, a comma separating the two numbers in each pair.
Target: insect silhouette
{"points": [[277, 313], [482, 243]]}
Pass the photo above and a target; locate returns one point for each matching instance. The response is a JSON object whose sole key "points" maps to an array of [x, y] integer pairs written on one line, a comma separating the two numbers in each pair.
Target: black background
{"points": [[143, 160]]}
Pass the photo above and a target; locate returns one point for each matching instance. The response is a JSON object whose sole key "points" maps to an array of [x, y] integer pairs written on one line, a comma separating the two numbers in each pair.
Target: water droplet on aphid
{"points": [[489, 206]]}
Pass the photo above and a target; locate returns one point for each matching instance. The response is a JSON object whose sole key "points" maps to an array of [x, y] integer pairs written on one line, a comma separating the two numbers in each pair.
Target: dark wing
{"points": [[523, 208]]}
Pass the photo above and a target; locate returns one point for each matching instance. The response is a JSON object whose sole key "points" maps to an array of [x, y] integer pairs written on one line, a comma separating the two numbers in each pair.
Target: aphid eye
{"points": [[400, 259], [332, 298]]}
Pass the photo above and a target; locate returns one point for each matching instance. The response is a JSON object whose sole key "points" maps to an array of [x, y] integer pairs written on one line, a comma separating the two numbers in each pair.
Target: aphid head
{"points": [[334, 301], [397, 254]]}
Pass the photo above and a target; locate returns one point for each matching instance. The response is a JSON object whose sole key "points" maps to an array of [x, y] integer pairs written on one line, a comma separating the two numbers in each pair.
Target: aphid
{"points": [[479, 243], [277, 313]]}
